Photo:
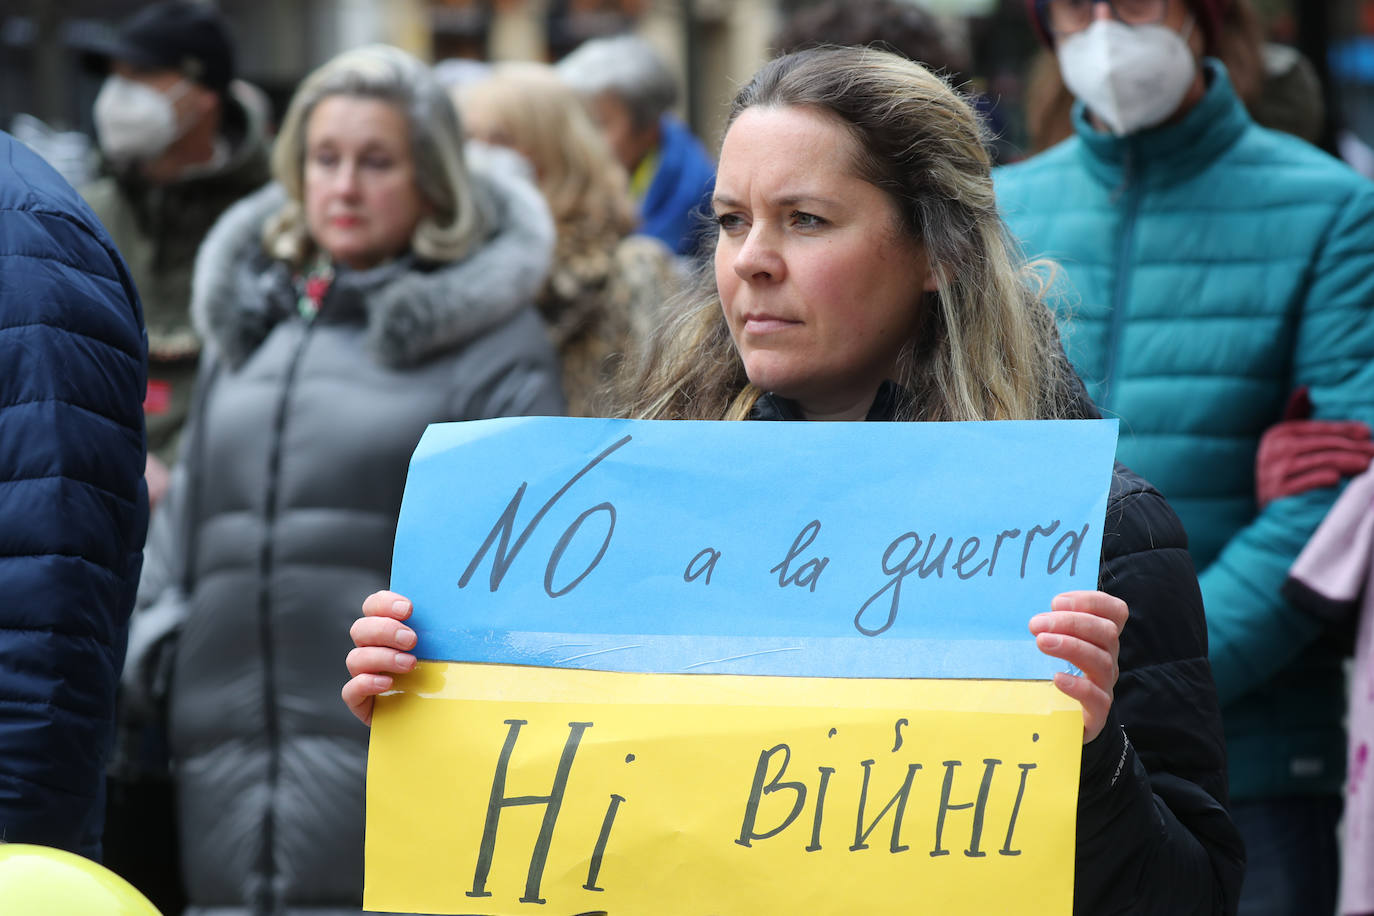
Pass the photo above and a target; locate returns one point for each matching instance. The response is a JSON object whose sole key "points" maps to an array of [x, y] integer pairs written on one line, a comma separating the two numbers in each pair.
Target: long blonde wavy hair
{"points": [[986, 346], [525, 106]]}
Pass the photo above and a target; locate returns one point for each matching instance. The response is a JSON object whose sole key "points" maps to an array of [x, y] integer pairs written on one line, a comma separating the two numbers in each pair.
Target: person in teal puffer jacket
{"points": [[1211, 267]]}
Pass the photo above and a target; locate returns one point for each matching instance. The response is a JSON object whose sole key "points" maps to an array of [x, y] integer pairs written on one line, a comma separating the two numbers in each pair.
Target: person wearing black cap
{"points": [[182, 140], [1216, 266]]}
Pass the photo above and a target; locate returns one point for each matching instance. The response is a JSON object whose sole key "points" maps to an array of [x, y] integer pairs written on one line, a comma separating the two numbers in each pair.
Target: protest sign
{"points": [[697, 668]]}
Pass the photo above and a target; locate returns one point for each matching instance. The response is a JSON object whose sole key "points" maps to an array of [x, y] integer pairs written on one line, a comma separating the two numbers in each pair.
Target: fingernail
{"points": [[400, 607], [1061, 603], [1050, 641], [405, 639], [381, 681], [404, 662], [1039, 619]]}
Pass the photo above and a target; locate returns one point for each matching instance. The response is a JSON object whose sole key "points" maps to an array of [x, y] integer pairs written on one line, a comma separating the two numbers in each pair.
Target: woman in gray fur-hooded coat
{"points": [[327, 355]]}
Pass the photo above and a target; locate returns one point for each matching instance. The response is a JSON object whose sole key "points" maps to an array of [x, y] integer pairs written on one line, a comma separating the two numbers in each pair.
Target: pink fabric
{"points": [[1338, 563]]}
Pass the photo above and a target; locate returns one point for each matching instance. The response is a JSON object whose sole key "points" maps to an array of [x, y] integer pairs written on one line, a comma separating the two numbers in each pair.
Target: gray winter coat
{"points": [[288, 493]]}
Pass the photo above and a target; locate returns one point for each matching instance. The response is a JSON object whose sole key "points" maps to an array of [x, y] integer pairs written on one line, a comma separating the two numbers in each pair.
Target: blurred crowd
{"points": [[219, 351]]}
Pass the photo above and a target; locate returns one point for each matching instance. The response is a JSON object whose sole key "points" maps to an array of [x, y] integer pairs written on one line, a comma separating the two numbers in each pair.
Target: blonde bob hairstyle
{"points": [[526, 107], [458, 219], [986, 346]]}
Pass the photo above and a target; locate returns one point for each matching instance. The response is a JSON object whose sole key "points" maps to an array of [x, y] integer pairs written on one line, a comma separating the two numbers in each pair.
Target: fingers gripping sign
{"points": [[381, 642], [1084, 629]]}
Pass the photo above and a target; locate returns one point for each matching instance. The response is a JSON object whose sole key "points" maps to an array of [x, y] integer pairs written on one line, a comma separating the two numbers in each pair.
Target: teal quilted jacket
{"points": [[1207, 268]]}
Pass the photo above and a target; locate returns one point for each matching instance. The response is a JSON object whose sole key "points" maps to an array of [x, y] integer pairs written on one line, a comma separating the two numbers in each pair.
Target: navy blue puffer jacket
{"points": [[73, 505]]}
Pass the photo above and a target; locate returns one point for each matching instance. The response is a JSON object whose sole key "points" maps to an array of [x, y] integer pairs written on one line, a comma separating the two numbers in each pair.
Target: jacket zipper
{"points": [[267, 902], [1130, 187]]}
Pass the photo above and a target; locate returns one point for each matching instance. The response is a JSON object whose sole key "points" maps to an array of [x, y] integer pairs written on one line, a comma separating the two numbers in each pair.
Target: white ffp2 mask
{"points": [[1130, 76], [133, 121]]}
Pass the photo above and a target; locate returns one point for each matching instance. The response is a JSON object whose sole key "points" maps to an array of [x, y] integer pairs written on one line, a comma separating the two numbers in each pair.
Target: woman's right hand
{"points": [[378, 634]]}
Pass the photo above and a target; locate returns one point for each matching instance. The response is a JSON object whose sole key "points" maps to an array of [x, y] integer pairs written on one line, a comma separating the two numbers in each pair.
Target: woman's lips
{"points": [[766, 324], [346, 222]]}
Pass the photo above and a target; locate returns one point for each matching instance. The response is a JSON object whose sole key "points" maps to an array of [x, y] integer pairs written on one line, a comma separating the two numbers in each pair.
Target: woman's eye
{"points": [[324, 157], [729, 221], [377, 162], [807, 220]]}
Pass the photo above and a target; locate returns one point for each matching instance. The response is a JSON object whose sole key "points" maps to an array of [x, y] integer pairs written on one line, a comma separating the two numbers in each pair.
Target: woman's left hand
{"points": [[1084, 629]]}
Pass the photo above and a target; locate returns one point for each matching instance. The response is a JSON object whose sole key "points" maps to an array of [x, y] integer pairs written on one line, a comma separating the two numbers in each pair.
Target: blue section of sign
{"points": [[816, 549]]}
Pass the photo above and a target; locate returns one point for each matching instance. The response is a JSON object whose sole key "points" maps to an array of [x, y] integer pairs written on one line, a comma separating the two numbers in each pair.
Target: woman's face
{"points": [[362, 202], [820, 288]]}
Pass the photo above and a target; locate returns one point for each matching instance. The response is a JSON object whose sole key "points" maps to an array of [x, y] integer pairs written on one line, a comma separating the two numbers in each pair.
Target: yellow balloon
{"points": [[41, 881]]}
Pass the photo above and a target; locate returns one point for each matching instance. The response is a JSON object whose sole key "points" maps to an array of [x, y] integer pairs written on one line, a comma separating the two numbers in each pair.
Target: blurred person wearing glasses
{"points": [[1211, 268]]}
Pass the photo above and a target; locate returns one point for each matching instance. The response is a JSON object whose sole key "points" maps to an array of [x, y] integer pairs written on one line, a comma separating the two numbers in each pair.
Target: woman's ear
{"points": [[931, 283], [933, 280]]}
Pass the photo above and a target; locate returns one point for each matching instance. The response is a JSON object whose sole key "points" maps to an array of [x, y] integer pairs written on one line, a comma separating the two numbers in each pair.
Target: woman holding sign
{"points": [[862, 272]]}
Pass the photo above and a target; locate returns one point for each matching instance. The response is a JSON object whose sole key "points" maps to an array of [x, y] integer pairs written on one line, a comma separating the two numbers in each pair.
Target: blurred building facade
{"points": [[713, 44]]}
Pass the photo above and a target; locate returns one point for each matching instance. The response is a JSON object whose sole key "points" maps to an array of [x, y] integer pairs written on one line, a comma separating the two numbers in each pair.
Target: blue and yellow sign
{"points": [[734, 668]]}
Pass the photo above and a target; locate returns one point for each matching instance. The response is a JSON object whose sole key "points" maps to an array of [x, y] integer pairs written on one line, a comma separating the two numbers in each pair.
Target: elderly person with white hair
{"points": [[629, 91], [382, 284]]}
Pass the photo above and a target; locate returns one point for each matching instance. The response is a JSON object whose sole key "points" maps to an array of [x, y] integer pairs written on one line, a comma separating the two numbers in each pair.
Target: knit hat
{"points": [[1208, 13]]}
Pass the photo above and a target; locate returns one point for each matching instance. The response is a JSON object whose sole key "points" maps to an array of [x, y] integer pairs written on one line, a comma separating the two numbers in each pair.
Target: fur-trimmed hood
{"points": [[412, 312]]}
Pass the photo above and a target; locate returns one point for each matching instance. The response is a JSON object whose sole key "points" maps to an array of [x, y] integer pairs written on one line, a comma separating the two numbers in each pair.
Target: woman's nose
{"points": [[346, 179], [758, 257]]}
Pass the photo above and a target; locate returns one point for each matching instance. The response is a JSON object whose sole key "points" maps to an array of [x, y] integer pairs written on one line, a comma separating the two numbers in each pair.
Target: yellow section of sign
{"points": [[497, 789]]}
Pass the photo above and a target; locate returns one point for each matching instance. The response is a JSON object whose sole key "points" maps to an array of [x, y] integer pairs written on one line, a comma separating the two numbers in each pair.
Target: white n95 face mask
{"points": [[134, 122], [1130, 76]]}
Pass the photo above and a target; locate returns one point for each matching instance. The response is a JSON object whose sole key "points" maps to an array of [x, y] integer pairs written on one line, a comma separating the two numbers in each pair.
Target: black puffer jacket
{"points": [[1154, 837], [1153, 833]]}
